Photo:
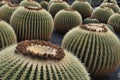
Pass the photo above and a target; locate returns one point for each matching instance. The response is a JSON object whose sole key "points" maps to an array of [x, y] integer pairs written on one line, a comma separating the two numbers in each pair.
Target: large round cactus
{"points": [[113, 6], [57, 6], [83, 7], [7, 35], [29, 3], [66, 19], [102, 14], [32, 23], [96, 46], [7, 10], [39, 60], [114, 21]]}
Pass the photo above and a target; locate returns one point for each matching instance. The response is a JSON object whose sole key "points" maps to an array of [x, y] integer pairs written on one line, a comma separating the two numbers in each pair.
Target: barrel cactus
{"points": [[83, 7], [96, 46], [102, 13], [90, 20], [114, 21], [44, 4], [113, 6], [32, 23], [29, 3], [66, 19], [7, 35], [7, 10], [57, 6], [40, 60]]}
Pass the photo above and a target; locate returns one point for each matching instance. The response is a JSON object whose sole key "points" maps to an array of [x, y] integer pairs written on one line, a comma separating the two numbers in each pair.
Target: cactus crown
{"points": [[69, 9], [33, 8], [40, 49], [94, 27], [105, 7], [12, 4]]}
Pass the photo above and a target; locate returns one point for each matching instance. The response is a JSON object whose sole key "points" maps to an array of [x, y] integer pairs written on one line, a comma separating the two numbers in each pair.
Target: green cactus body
{"points": [[102, 14], [29, 3], [6, 11], [114, 21], [96, 46], [39, 60], [57, 6], [44, 4], [90, 20], [66, 19], [113, 6], [83, 7], [7, 35], [32, 23]]}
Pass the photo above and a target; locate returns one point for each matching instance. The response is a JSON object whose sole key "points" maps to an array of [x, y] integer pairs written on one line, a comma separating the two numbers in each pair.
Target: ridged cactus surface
{"points": [[114, 21], [29, 3], [96, 46], [6, 11], [83, 7], [7, 35], [32, 23], [56, 6], [113, 6], [102, 14], [66, 19], [39, 60]]}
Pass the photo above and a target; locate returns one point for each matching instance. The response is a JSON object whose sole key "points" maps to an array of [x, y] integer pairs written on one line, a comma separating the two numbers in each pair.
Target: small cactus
{"points": [[44, 4], [6, 11], [102, 14], [113, 6], [57, 6], [66, 19], [114, 21], [96, 46], [90, 20], [29, 3], [40, 60], [32, 23], [7, 35], [83, 7]]}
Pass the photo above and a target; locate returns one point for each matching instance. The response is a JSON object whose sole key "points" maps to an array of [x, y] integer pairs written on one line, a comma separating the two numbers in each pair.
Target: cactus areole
{"points": [[33, 8], [12, 4], [94, 27], [40, 49]]}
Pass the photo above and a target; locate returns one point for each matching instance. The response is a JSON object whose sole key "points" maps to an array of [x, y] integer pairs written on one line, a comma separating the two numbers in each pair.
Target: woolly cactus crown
{"points": [[32, 23], [69, 19], [102, 13], [57, 6], [7, 10], [83, 7], [29, 3], [96, 46], [7, 35], [36, 60], [114, 21]]}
